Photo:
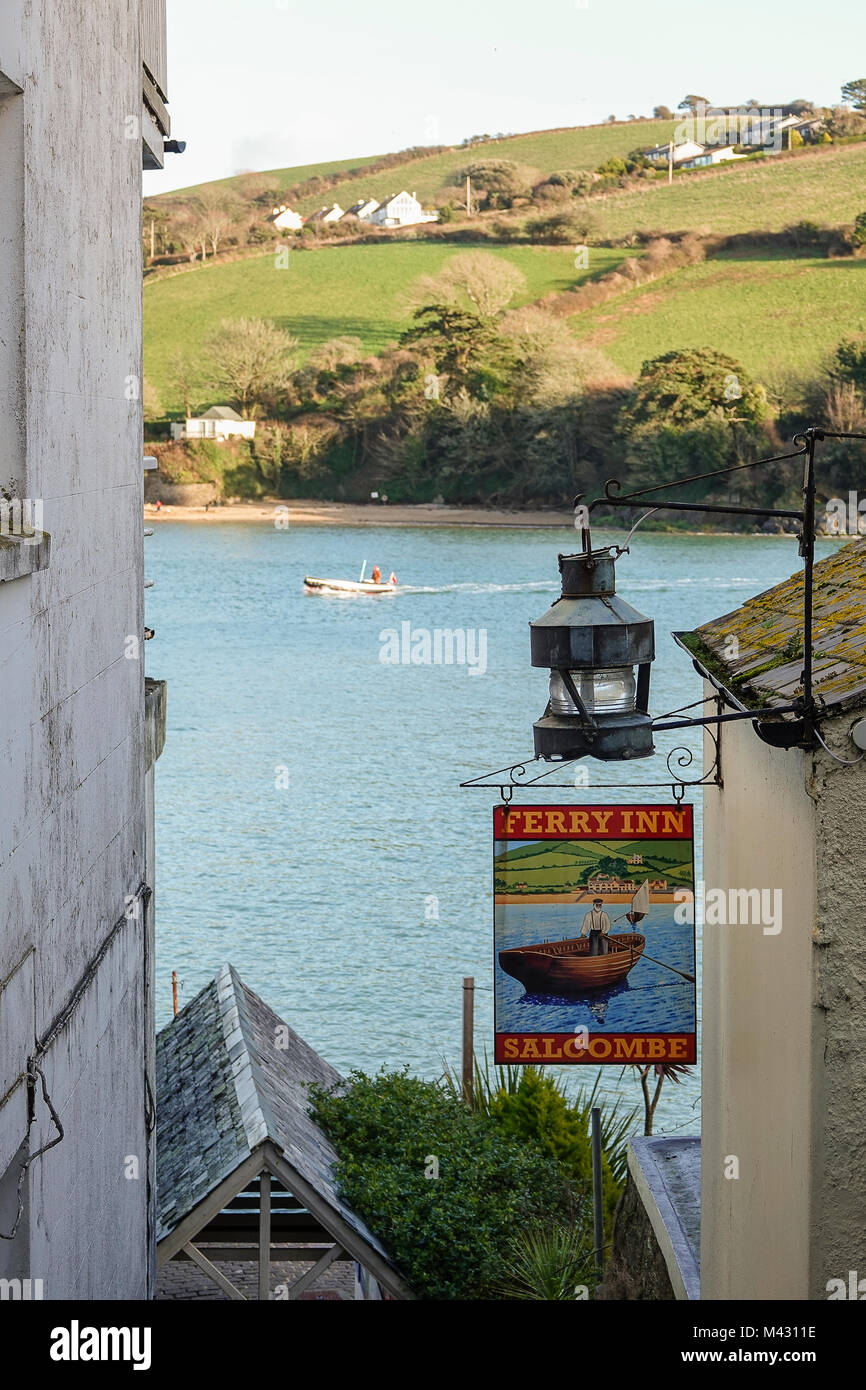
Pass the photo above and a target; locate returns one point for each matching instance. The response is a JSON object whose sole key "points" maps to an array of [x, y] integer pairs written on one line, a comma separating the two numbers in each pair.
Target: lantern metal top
{"points": [[589, 627]]}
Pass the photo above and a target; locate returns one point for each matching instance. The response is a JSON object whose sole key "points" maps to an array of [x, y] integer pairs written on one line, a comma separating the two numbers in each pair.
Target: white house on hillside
{"points": [[713, 154], [331, 214], [220, 422], [363, 209], [401, 210], [286, 219], [689, 149]]}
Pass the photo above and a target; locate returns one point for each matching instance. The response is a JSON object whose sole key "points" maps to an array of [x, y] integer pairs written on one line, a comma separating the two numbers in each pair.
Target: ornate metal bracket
{"points": [[519, 776]]}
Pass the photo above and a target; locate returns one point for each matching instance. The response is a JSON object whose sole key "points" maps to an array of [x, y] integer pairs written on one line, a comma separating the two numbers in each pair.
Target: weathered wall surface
{"points": [[838, 1219], [72, 814], [758, 1022], [636, 1268]]}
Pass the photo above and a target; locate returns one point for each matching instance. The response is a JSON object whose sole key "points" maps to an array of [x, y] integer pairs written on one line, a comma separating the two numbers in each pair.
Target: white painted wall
{"points": [[72, 813], [784, 1024], [759, 832]]}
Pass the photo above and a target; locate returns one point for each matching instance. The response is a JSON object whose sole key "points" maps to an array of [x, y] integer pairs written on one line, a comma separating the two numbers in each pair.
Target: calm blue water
{"points": [[355, 899]]}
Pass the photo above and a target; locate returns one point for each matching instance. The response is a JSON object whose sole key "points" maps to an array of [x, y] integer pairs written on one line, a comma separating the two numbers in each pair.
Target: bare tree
{"points": [[188, 381], [250, 359], [487, 282], [217, 214]]}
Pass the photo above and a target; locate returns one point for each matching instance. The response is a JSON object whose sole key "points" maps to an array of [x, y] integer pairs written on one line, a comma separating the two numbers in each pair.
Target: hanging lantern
{"points": [[598, 650]]}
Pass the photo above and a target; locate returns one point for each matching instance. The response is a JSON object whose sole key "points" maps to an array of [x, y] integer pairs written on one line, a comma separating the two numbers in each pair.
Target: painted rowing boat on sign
{"points": [[566, 967]]}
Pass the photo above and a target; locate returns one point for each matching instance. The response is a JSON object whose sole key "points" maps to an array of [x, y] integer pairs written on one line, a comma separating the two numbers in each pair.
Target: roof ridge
{"points": [[258, 1120]]}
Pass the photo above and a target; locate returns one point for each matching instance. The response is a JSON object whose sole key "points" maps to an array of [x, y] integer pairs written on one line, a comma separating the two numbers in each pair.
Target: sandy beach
{"points": [[283, 511]]}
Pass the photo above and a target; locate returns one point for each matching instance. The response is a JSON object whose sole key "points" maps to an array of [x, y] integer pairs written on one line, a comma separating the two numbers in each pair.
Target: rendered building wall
{"points": [[72, 777]]}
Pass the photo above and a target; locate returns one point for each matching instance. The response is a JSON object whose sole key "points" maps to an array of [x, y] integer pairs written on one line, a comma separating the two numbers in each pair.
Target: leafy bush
{"points": [[449, 1234], [561, 227], [537, 1111], [691, 384], [849, 363]]}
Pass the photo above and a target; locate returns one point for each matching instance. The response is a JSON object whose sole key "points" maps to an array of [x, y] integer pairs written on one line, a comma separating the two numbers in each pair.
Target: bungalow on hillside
{"points": [[286, 219], [221, 422], [363, 209], [713, 154], [331, 214], [401, 210], [688, 149]]}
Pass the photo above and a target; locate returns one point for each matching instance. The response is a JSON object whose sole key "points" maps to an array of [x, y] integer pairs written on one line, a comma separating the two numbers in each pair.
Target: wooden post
{"points": [[597, 1203], [468, 1036], [174, 990], [670, 161], [468, 196], [152, 238], [265, 1235]]}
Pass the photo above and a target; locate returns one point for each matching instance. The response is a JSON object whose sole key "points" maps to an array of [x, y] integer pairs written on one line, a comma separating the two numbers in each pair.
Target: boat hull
{"points": [[313, 585], [566, 967]]}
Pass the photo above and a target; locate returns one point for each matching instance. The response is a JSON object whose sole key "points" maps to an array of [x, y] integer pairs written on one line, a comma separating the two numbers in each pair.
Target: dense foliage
{"points": [[445, 1188]]}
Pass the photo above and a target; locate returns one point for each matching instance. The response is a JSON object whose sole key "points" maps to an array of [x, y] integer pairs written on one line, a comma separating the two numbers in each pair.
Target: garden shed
{"points": [[243, 1171]]}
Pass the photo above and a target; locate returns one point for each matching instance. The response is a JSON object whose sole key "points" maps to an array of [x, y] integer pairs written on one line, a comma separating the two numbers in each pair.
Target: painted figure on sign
{"points": [[596, 925]]}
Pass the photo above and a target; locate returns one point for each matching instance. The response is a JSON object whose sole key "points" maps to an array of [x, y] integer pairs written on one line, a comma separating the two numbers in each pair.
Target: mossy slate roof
{"points": [[225, 1085], [763, 667]]}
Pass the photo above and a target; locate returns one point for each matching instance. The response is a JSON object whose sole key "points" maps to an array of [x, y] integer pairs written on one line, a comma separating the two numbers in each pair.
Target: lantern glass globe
{"points": [[602, 692]]}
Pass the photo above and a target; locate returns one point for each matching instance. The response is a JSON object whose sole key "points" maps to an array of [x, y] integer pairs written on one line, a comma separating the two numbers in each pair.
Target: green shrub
{"points": [[449, 1234], [538, 1112]]}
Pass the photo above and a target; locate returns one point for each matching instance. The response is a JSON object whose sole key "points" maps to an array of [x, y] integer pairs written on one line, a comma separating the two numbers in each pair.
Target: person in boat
{"points": [[376, 575], [392, 578], [596, 925]]}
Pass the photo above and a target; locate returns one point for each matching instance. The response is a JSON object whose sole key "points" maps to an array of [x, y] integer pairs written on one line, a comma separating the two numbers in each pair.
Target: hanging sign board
{"points": [[594, 934]]}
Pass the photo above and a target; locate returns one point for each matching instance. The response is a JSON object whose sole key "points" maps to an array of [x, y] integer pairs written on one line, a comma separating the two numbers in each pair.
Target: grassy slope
{"points": [[280, 178], [543, 150], [827, 185], [358, 290], [772, 313]]}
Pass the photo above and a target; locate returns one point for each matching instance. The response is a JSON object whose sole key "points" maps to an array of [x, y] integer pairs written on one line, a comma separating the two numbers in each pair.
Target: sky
{"points": [[262, 84]]}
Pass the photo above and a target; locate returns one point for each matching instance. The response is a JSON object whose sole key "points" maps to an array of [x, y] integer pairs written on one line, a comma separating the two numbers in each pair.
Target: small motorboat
{"points": [[313, 585], [566, 967]]}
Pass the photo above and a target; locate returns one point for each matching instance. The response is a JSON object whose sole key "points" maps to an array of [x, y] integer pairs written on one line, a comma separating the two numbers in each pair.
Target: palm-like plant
{"points": [[549, 1264]]}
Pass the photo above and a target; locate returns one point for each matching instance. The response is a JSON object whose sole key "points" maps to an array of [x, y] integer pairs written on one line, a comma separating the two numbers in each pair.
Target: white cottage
{"points": [[286, 219], [220, 422], [401, 210]]}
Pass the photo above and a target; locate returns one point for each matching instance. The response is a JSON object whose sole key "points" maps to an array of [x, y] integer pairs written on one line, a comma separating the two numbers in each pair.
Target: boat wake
{"points": [[543, 586]]}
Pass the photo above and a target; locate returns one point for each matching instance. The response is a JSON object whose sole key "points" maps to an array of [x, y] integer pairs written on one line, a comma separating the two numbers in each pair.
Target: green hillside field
{"points": [[280, 178], [561, 865], [774, 314], [544, 150], [826, 185], [336, 291], [779, 314]]}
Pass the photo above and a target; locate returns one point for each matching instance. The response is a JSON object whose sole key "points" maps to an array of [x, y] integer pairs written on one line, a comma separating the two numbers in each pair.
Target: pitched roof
{"points": [[769, 630], [353, 211], [226, 1084], [221, 412]]}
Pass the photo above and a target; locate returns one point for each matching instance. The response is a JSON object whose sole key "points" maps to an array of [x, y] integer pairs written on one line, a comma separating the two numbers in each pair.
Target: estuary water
{"points": [[310, 824]]}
